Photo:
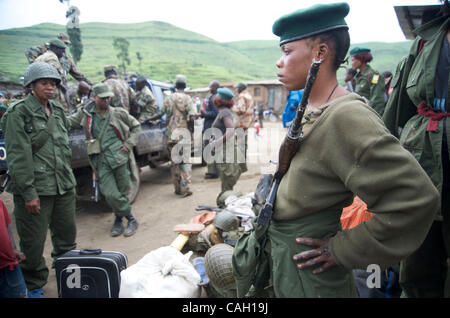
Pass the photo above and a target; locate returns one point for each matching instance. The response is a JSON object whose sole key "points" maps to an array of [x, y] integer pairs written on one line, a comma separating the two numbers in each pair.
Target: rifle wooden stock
{"points": [[289, 147]]}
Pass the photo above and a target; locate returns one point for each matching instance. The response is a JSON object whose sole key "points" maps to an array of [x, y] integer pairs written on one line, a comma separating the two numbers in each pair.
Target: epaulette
{"points": [[14, 104], [375, 78], [57, 104]]}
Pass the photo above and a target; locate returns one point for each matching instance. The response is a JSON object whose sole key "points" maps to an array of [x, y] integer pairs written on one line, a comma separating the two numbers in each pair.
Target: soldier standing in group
{"points": [[111, 133], [209, 113], [68, 64], [180, 113], [368, 83], [145, 102], [229, 168], [245, 118], [124, 96], [344, 150], [52, 56], [418, 113], [42, 181]]}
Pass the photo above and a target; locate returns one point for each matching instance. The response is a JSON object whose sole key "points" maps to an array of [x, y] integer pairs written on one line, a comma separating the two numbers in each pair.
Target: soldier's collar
{"points": [[430, 29], [36, 105]]}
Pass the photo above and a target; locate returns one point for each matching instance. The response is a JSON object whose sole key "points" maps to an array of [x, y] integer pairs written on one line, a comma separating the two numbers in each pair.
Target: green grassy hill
{"points": [[166, 50]]}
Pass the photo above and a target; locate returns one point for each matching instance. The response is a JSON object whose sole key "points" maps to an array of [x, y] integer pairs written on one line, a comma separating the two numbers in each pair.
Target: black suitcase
{"points": [[89, 273]]}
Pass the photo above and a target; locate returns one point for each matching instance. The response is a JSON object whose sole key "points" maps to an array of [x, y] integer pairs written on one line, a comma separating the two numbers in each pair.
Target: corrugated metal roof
{"points": [[231, 84]]}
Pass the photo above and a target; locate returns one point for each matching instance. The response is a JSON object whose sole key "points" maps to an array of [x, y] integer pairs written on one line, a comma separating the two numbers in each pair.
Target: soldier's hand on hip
{"points": [[33, 206], [313, 257]]}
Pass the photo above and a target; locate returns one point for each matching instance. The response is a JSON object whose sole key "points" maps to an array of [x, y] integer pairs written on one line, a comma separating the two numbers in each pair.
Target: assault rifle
{"points": [[289, 147]]}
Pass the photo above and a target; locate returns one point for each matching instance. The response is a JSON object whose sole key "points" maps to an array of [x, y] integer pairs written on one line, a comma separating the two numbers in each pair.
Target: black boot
{"points": [[117, 228], [132, 225]]}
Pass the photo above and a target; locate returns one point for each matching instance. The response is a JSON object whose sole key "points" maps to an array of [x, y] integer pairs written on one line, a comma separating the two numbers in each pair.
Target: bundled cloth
{"points": [[242, 207], [162, 273]]}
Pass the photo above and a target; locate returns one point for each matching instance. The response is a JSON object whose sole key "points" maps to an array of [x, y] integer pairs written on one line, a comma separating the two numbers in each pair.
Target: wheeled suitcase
{"points": [[89, 273]]}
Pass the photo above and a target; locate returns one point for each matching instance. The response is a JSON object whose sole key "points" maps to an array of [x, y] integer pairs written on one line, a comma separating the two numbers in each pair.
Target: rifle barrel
{"points": [[289, 147]]}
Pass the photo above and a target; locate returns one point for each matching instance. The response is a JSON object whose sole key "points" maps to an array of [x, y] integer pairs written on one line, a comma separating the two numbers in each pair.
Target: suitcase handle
{"points": [[91, 251]]}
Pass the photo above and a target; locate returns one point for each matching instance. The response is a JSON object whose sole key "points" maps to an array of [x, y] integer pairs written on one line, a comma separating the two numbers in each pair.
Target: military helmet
{"points": [[226, 221], [221, 199], [40, 70], [219, 267], [180, 79]]}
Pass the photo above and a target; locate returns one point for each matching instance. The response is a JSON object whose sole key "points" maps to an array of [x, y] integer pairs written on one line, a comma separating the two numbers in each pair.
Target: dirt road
{"points": [[157, 208]]}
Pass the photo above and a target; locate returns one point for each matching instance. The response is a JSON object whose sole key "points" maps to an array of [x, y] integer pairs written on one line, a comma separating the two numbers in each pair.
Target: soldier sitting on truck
{"points": [[145, 106], [111, 133], [124, 95]]}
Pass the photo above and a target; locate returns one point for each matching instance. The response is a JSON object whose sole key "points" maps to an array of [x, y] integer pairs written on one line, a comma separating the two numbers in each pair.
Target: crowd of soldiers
{"points": [[395, 157], [110, 114]]}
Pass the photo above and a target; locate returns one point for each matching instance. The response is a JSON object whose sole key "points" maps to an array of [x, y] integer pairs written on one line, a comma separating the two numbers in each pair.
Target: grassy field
{"points": [[167, 50]]}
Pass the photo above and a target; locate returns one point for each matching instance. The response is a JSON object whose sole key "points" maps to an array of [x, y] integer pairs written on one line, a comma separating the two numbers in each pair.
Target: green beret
{"points": [[64, 37], [102, 90], [180, 79], [359, 50], [225, 93], [310, 21], [58, 43], [241, 85]]}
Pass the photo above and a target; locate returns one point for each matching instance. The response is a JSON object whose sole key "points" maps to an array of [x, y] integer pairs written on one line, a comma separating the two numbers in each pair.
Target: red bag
{"points": [[355, 214]]}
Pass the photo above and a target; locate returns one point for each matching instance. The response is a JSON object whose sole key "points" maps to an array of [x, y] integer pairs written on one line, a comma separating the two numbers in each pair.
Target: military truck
{"points": [[150, 149]]}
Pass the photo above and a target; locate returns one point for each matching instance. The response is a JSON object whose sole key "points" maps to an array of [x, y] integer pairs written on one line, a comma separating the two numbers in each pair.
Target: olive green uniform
{"points": [[370, 85], [115, 170], [425, 273], [229, 169], [365, 160], [38, 160]]}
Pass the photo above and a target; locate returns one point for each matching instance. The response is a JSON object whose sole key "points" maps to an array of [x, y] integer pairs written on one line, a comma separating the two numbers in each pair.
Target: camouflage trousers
{"points": [[181, 174], [181, 177]]}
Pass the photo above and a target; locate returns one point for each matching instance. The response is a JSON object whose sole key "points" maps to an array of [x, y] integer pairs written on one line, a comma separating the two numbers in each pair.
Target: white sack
{"points": [[162, 273]]}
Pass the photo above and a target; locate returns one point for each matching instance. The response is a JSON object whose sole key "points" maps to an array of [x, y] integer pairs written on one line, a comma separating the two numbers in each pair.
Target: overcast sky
{"points": [[223, 21]]}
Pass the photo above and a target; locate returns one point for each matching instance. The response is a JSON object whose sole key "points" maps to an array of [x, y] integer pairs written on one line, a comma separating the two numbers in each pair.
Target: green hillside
{"points": [[166, 50]]}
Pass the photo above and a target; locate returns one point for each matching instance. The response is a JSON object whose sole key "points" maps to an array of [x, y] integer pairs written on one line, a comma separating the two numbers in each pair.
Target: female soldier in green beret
{"points": [[229, 169], [419, 104], [345, 150], [368, 82]]}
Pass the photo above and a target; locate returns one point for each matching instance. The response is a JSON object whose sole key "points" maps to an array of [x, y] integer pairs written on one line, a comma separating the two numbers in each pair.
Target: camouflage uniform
{"points": [[146, 103], [244, 104], [124, 95], [71, 68], [33, 52], [177, 108]]}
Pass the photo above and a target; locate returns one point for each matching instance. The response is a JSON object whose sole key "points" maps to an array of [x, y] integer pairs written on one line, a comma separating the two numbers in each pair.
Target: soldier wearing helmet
{"points": [[42, 182], [55, 53]]}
